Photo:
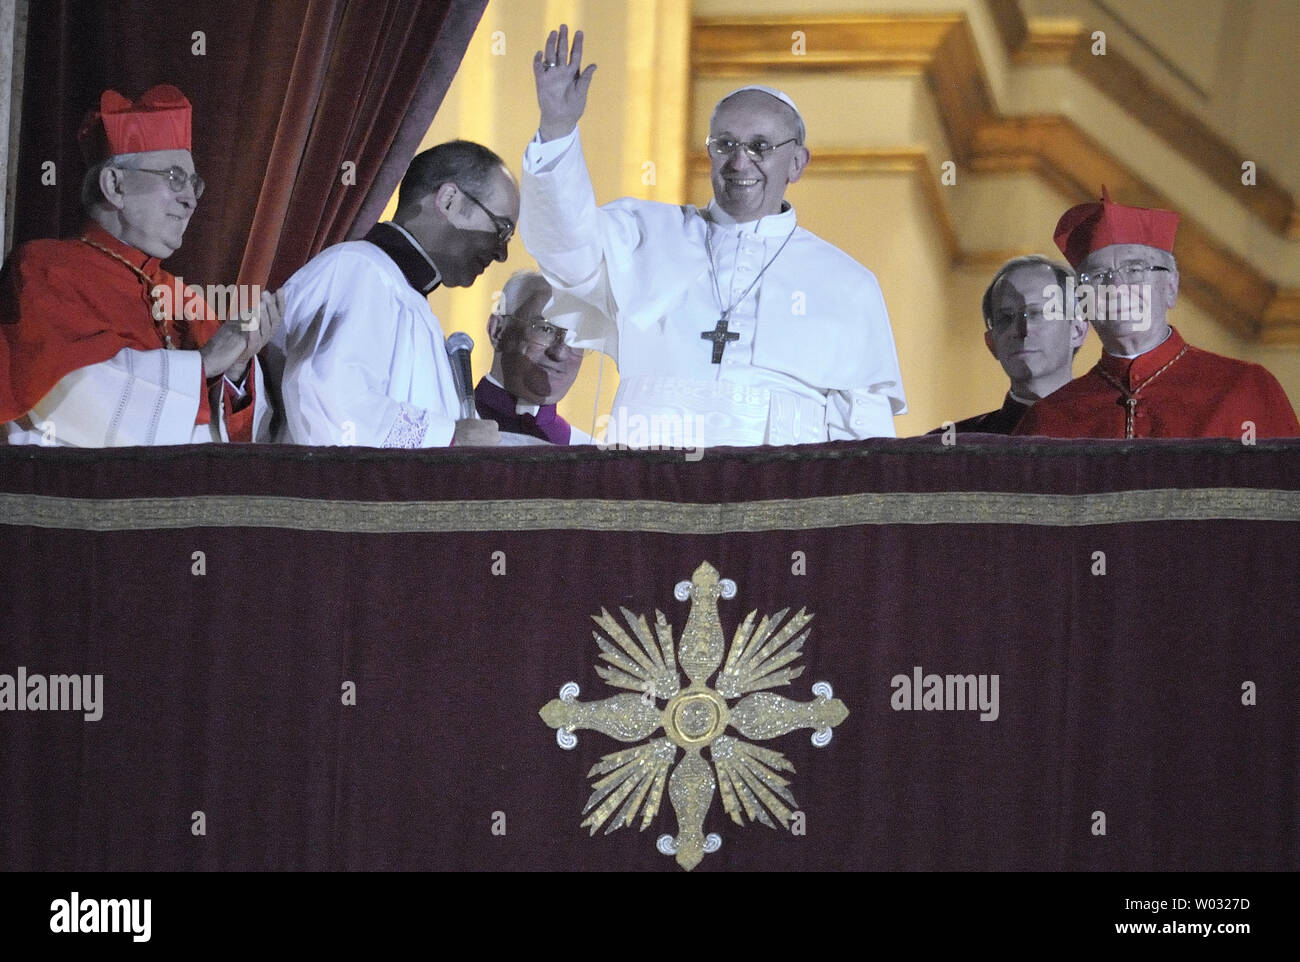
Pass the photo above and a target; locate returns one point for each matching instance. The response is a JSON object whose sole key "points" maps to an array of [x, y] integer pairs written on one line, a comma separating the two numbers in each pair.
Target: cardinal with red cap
{"points": [[1149, 383], [96, 349]]}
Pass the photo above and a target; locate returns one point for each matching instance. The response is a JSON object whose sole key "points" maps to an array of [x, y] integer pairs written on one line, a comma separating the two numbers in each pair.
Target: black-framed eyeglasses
{"points": [[758, 150], [1133, 272], [504, 226], [177, 178], [542, 333]]}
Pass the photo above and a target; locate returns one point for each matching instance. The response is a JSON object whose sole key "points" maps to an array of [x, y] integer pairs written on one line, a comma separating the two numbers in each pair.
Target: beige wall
{"points": [[646, 108], [1232, 62]]}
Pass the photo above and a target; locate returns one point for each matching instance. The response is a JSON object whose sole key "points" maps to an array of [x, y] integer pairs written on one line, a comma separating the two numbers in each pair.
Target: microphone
{"points": [[459, 346]]}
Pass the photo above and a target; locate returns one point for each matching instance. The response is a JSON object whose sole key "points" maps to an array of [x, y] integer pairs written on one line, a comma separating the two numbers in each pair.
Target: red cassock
{"points": [[65, 305], [1180, 392]]}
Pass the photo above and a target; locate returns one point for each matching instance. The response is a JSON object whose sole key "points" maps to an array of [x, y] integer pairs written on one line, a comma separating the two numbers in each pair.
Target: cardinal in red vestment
{"points": [[96, 347], [1149, 383]]}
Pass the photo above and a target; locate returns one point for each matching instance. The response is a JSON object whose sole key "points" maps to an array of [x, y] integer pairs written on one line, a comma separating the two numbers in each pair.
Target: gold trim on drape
{"points": [[555, 514]]}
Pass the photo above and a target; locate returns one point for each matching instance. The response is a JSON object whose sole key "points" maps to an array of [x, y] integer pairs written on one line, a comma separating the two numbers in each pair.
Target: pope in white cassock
{"points": [[360, 357], [730, 324]]}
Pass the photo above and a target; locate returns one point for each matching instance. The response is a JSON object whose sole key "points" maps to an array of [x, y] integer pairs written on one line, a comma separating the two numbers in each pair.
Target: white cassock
{"points": [[133, 398], [364, 359], [815, 358]]}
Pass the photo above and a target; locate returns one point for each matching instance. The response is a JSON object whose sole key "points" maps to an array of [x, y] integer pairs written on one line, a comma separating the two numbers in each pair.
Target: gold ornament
{"points": [[695, 718]]}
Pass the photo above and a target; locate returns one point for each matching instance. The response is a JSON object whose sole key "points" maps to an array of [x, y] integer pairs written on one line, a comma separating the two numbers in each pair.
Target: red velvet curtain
{"points": [[284, 92]]}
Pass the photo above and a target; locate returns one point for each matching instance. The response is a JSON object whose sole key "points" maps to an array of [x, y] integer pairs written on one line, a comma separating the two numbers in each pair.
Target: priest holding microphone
{"points": [[730, 323], [360, 357]]}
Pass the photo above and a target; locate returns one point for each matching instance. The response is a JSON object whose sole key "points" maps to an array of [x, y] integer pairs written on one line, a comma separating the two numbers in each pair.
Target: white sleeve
{"points": [[133, 398], [868, 411], [263, 406], [341, 324], [859, 413], [541, 155], [571, 238]]}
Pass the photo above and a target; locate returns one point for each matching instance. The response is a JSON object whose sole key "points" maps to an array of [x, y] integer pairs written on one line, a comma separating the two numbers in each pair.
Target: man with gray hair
{"points": [[533, 365], [1033, 328], [1149, 382], [730, 323], [98, 346]]}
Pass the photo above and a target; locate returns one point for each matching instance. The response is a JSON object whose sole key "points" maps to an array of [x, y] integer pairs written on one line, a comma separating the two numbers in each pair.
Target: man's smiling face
{"points": [[745, 188], [153, 216], [535, 368]]}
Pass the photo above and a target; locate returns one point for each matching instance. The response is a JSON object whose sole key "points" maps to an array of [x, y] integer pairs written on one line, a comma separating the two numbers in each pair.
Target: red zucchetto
{"points": [[1090, 227], [159, 120]]}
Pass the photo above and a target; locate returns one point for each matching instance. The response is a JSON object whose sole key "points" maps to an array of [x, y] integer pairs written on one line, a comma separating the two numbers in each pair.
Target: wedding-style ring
{"points": [[548, 64]]}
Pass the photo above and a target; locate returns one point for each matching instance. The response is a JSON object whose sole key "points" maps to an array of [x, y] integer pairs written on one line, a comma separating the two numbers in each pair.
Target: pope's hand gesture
{"points": [[561, 83]]}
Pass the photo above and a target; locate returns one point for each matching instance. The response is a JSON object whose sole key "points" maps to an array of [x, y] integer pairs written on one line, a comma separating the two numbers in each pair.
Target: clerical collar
{"points": [[1128, 357], [773, 225], [411, 259], [521, 406], [1027, 402]]}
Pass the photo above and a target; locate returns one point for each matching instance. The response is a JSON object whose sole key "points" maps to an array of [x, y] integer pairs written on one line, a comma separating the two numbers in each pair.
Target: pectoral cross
{"points": [[720, 337]]}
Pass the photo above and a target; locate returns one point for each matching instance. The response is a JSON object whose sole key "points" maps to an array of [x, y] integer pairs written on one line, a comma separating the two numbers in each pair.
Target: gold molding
{"points": [[871, 160], [1068, 43], [1047, 43], [1225, 285], [942, 48], [1282, 319], [727, 46], [666, 517]]}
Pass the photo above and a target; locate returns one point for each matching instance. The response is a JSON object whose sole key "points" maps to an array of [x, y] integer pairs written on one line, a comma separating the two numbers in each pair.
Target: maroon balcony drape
{"points": [[1137, 601]]}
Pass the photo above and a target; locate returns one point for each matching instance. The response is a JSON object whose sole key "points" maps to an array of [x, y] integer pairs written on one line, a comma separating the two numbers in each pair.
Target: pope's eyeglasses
{"points": [[758, 150]]}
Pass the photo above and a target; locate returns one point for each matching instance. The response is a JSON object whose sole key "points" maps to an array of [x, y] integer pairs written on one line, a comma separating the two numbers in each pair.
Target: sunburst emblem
{"points": [[695, 718]]}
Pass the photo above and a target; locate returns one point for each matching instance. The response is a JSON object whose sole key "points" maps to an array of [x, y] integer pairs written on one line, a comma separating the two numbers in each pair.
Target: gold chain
{"points": [[159, 323], [1130, 397]]}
